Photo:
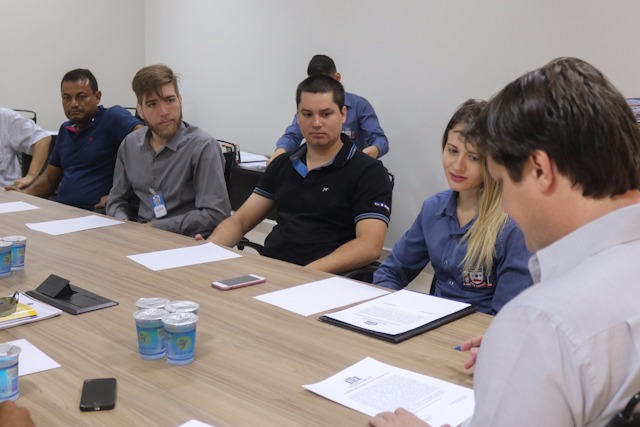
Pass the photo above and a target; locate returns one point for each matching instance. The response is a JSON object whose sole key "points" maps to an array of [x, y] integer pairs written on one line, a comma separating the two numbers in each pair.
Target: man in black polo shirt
{"points": [[333, 201]]}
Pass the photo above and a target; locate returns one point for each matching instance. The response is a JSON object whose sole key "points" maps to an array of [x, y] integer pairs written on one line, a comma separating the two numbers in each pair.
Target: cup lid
{"points": [[9, 350], [5, 243], [150, 314], [152, 302], [180, 319], [182, 306], [15, 238]]}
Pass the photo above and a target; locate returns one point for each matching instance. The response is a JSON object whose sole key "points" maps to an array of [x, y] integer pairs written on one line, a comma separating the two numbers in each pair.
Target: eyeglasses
{"points": [[8, 304]]}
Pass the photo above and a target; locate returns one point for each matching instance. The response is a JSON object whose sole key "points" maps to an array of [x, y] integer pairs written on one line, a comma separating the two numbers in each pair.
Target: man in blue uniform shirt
{"points": [[333, 201], [361, 126], [83, 158]]}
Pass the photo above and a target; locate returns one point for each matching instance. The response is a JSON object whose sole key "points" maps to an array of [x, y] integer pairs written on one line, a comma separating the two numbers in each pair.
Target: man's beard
{"points": [[167, 133]]}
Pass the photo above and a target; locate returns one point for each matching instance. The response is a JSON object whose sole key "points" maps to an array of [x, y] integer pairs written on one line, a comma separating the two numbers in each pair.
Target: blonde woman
{"points": [[477, 252]]}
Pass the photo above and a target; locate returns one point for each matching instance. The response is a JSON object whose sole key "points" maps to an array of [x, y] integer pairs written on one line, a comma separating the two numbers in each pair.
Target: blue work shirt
{"points": [[436, 236], [362, 127]]}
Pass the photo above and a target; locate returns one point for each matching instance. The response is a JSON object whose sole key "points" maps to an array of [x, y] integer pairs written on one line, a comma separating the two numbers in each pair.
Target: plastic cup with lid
{"points": [[180, 335], [9, 357], [5, 258], [18, 251], [150, 333]]}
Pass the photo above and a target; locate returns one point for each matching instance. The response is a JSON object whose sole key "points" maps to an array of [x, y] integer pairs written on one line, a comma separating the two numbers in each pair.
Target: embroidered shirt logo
{"points": [[324, 189], [382, 205], [476, 279]]}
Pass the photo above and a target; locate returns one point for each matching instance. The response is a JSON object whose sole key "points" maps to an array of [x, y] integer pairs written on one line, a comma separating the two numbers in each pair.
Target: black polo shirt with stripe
{"points": [[318, 209]]}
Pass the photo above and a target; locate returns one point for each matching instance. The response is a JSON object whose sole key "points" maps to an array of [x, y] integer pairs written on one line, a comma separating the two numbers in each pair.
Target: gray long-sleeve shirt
{"points": [[188, 172]]}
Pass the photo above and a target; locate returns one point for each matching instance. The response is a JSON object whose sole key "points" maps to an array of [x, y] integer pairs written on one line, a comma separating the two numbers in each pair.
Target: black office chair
{"points": [[231, 153], [25, 159], [627, 417], [134, 113]]}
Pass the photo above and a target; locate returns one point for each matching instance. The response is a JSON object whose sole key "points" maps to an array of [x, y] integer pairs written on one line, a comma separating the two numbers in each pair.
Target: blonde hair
{"points": [[482, 235]]}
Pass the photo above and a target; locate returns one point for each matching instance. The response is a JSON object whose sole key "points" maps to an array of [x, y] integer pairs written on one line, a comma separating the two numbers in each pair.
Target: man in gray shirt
{"points": [[175, 171]]}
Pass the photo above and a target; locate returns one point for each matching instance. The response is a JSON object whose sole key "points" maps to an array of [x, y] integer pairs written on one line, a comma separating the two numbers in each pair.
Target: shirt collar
{"points": [[346, 152], [612, 229]]}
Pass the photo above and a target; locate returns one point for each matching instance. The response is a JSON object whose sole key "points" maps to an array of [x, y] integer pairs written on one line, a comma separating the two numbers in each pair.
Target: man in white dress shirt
{"points": [[565, 147]]}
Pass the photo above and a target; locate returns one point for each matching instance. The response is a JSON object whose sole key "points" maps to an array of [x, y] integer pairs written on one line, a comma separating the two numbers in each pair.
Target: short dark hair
{"points": [[321, 64], [81, 74], [322, 84], [466, 113], [569, 110], [151, 79]]}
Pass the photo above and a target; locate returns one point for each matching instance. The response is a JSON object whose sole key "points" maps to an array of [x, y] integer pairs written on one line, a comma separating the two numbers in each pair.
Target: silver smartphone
{"points": [[238, 282]]}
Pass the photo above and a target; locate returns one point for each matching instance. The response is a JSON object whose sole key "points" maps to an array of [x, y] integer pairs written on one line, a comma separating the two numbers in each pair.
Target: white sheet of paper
{"points": [[246, 157], [372, 387], [16, 207], [398, 312], [320, 296], [64, 226], [32, 359], [181, 257], [195, 423]]}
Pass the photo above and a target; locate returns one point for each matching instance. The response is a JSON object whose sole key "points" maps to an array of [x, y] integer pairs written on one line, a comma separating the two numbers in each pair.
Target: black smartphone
{"points": [[98, 394]]}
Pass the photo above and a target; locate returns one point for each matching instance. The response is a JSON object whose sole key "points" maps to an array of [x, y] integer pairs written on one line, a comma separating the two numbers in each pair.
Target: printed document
{"points": [[372, 387], [398, 312]]}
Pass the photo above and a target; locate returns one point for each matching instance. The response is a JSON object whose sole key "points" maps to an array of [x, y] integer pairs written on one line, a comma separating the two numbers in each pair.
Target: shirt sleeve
{"points": [[23, 133], [266, 186], [212, 201], [512, 270], [409, 257], [373, 193], [121, 191], [522, 374], [370, 125], [292, 136], [122, 122]]}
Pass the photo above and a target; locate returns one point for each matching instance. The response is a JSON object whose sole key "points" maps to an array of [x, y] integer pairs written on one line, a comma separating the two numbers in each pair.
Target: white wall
{"points": [[414, 60], [42, 40]]}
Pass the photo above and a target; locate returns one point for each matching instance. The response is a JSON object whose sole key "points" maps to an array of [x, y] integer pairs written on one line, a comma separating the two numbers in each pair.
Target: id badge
{"points": [[159, 209]]}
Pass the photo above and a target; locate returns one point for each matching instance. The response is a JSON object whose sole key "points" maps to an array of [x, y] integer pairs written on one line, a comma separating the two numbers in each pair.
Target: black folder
{"points": [[59, 293], [402, 336]]}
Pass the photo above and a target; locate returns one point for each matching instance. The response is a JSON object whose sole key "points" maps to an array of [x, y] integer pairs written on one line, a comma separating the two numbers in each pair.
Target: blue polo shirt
{"points": [[87, 158], [318, 209]]}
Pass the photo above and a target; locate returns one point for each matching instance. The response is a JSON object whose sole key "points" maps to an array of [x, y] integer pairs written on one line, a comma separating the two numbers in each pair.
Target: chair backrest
{"points": [[231, 154], [29, 114], [392, 178], [25, 159], [628, 417]]}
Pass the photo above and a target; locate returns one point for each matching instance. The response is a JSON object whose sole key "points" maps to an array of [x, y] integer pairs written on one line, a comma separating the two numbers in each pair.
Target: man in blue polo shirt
{"points": [[83, 158], [361, 126], [333, 201]]}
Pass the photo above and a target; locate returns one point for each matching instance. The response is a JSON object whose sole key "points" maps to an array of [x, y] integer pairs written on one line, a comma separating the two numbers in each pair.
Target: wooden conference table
{"points": [[252, 358]]}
